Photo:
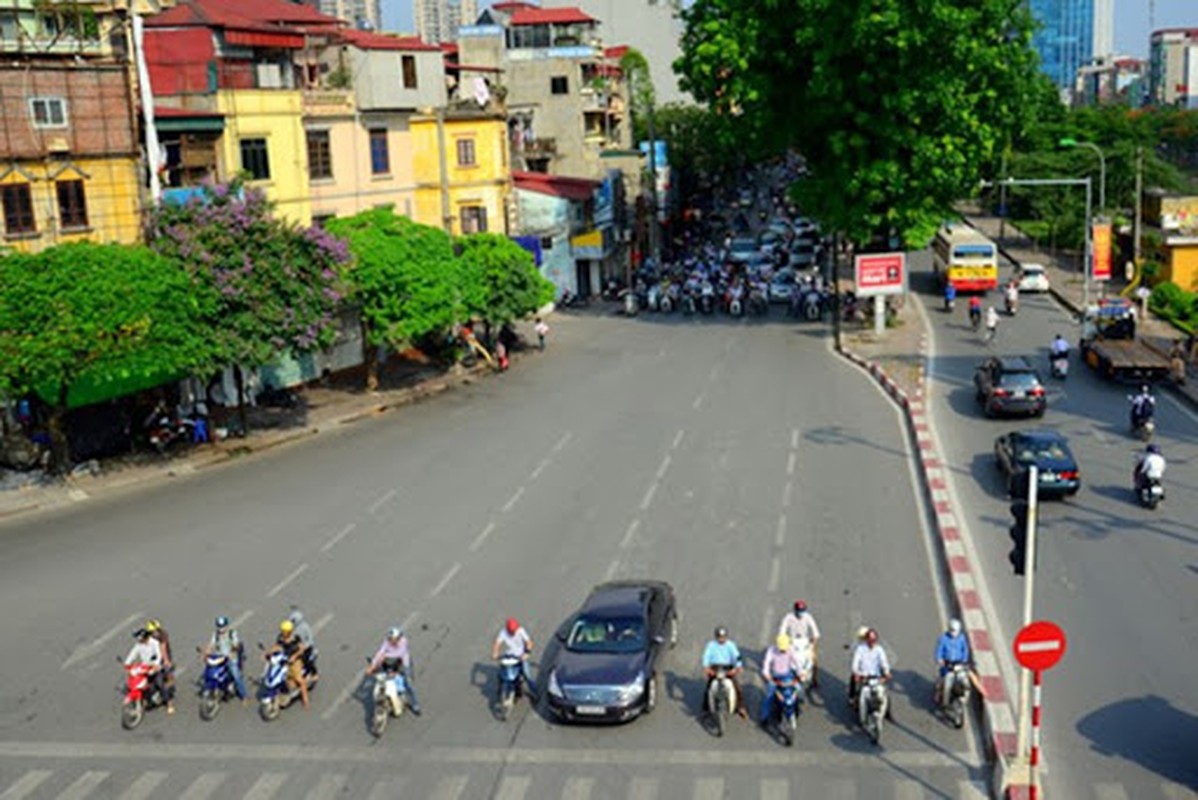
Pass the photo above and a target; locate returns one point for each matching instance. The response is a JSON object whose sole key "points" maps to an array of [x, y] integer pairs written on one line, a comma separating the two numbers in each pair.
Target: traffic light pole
{"points": [[1029, 584]]}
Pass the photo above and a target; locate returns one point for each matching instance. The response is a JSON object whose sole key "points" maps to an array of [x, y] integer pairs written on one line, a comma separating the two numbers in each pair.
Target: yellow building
{"points": [[1174, 218], [69, 156], [469, 189]]}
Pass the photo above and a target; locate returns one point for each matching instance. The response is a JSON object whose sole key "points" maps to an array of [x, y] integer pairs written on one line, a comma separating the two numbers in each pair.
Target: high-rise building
{"points": [[1065, 36], [1173, 67], [439, 20], [363, 14]]}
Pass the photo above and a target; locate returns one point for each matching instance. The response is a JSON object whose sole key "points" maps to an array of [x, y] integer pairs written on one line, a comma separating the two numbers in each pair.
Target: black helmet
{"points": [[721, 632]]}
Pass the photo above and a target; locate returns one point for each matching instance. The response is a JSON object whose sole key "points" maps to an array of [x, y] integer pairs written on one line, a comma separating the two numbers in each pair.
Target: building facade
{"points": [[554, 209], [1173, 67], [1174, 220], [70, 167], [1064, 37], [1119, 79], [438, 20], [360, 14]]}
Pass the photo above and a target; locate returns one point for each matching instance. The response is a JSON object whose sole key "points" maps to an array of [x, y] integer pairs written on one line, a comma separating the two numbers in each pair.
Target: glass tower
{"points": [[1064, 37]]}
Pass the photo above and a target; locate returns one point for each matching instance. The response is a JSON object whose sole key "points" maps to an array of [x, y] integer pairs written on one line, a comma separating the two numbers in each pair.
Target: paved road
{"points": [[1121, 715], [739, 461]]}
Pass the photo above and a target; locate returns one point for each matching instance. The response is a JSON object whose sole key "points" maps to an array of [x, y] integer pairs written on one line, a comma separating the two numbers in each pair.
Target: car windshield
{"points": [[1033, 272], [607, 635], [1030, 451], [743, 245], [1019, 380]]}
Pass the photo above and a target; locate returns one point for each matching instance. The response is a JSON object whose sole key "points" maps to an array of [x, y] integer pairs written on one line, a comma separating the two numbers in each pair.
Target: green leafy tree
{"points": [[277, 286], [899, 106], [95, 313], [510, 285], [642, 94], [404, 279]]}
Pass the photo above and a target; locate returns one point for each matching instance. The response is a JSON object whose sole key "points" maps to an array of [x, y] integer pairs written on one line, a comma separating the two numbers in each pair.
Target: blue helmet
{"points": [[1154, 448]]}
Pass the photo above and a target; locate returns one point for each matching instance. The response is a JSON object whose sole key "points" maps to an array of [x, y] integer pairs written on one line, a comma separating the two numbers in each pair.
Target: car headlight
{"points": [[554, 688], [633, 690]]}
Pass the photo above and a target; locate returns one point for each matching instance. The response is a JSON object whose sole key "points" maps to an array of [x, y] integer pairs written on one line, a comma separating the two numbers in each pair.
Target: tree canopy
{"points": [[508, 284], [899, 107]]}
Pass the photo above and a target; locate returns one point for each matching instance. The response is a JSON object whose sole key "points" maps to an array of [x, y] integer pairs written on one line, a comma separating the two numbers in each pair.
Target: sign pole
{"points": [[1039, 646], [1035, 758], [879, 315], [1029, 585]]}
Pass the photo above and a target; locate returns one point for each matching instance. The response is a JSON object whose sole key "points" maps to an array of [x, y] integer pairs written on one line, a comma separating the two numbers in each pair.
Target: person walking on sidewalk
{"points": [[542, 331], [991, 324]]}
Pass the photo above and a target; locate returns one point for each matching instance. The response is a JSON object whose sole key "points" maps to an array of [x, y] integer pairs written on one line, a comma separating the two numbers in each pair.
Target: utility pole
{"points": [[1135, 223], [443, 163], [147, 105], [654, 243]]}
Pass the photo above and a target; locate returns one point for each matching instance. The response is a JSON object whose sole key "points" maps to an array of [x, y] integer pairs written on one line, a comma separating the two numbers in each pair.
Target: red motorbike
{"points": [[140, 695]]}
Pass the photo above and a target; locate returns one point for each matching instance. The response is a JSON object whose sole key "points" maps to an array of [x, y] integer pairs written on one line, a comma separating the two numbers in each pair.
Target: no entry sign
{"points": [[1039, 646]]}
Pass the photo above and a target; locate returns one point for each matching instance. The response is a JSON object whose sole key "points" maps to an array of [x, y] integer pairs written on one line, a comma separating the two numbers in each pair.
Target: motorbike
{"points": [[1143, 427], [950, 303], [1149, 491], [387, 699], [786, 708], [273, 692], [166, 430], [811, 306], [631, 305], [707, 300], [688, 304], [1012, 305], [1060, 365], [872, 705], [736, 306], [140, 695], [955, 698], [216, 685], [975, 318], [721, 698], [511, 675], [654, 297], [759, 304], [668, 300]]}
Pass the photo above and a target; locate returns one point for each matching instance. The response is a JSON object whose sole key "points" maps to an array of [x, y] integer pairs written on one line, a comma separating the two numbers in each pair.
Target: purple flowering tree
{"points": [[275, 286]]}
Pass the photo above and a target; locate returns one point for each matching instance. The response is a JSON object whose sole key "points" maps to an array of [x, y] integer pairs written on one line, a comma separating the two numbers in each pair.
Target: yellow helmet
{"points": [[286, 626], [782, 642], [862, 631], [153, 625]]}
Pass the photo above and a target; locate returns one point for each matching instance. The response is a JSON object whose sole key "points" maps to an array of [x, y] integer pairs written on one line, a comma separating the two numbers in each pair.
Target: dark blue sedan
{"points": [[1059, 474]]}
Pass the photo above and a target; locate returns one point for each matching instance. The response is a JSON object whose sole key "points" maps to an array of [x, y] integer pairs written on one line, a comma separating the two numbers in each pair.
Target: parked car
{"points": [[782, 285], [1059, 473], [742, 250], [1006, 385], [804, 253], [1032, 278], [768, 242], [806, 227], [605, 668]]}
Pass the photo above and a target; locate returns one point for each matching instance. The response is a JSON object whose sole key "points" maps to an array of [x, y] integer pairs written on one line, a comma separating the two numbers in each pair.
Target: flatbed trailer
{"points": [[1110, 347]]}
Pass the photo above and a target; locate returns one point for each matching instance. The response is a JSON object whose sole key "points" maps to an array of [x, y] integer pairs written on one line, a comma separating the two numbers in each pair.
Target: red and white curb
{"points": [[998, 712]]}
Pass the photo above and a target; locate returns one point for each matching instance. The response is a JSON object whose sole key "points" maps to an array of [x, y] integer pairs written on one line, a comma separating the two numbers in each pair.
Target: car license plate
{"points": [[591, 711], [1048, 476], [1020, 394]]}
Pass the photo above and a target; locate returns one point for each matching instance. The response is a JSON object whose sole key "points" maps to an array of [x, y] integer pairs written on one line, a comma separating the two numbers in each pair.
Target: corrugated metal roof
{"points": [[366, 40], [531, 15], [555, 185]]}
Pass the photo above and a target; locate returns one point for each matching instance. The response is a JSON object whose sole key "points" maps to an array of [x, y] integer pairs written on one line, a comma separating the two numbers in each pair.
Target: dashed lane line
{"points": [[786, 493], [88, 650], [536, 473], [338, 536], [515, 498], [647, 500], [794, 438], [482, 537], [321, 623], [612, 569], [678, 439], [382, 501], [281, 585], [563, 441], [698, 401], [780, 534], [775, 574], [790, 463], [457, 566], [665, 465], [767, 625], [628, 534]]}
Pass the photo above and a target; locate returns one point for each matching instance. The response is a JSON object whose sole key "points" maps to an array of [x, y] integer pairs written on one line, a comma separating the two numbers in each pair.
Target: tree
{"points": [[404, 279], [642, 95], [276, 286], [510, 286], [899, 106], [95, 312]]}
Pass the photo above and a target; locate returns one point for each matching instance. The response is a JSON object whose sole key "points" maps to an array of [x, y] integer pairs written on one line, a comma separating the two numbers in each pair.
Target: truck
{"points": [[1110, 347]]}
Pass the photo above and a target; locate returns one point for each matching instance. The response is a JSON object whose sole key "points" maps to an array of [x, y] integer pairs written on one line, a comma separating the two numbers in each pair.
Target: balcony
{"points": [[539, 148], [328, 102]]}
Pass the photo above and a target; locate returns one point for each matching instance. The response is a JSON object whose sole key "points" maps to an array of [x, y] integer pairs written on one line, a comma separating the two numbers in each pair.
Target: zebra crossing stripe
{"points": [[709, 789], [204, 786], [513, 787], [841, 789], [643, 789], [450, 788], [775, 789], [1110, 791], [143, 788], [26, 784], [83, 785], [578, 788], [388, 788], [907, 789], [328, 787], [267, 786]]}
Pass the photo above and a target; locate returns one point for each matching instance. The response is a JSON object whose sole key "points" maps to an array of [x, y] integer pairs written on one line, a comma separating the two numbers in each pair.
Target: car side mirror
{"points": [[659, 639]]}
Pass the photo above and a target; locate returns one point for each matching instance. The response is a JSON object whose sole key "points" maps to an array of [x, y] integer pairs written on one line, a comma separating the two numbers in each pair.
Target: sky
{"points": [[1131, 20]]}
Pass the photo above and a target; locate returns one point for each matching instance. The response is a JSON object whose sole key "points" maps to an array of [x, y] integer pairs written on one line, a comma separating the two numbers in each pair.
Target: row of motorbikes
{"points": [[735, 298]]}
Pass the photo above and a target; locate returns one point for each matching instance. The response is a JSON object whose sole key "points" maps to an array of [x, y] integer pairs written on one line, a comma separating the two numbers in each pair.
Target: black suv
{"points": [[1009, 386]]}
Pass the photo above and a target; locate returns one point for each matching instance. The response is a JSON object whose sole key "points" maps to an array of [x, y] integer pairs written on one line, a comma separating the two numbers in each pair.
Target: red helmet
{"points": [[800, 606], [512, 625]]}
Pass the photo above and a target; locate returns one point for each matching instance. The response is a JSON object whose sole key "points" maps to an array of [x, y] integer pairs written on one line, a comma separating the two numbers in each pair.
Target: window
{"points": [[465, 152], [409, 72], [474, 219], [546, 242], [559, 84], [380, 156], [18, 209], [254, 159], [72, 204], [320, 155], [48, 112]]}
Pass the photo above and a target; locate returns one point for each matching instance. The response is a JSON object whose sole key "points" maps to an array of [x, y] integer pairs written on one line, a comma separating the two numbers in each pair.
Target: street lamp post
{"points": [[1071, 142]]}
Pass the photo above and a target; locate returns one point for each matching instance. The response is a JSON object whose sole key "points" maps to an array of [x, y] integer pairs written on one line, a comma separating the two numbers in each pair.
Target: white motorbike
{"points": [[872, 703]]}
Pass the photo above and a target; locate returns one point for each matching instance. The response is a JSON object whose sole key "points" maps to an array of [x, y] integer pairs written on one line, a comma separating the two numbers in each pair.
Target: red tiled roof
{"points": [[508, 8], [449, 48], [531, 15], [239, 14], [366, 40], [616, 52], [555, 185]]}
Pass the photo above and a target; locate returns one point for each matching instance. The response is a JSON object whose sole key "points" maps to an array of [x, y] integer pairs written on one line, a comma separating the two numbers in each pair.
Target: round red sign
{"points": [[1039, 646]]}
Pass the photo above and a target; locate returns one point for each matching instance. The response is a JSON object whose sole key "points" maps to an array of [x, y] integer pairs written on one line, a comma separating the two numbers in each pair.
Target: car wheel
{"points": [[672, 634], [651, 694]]}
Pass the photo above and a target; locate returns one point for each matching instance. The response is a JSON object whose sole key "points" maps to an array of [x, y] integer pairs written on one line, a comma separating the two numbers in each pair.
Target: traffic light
{"points": [[1018, 554]]}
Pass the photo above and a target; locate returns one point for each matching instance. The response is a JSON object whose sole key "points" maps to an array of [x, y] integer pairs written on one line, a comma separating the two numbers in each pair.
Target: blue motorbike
{"points": [[786, 708], [511, 673], [273, 692], [216, 685]]}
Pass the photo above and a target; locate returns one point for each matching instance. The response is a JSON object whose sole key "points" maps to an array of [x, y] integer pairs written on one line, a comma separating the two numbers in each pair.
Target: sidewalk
{"points": [[1068, 288], [320, 409]]}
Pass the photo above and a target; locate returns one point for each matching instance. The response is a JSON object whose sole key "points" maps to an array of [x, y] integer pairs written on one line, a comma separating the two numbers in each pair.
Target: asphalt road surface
{"points": [[739, 461], [1120, 711]]}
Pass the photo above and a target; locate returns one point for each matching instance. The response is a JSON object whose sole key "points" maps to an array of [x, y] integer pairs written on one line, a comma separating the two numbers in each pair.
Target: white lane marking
{"points": [[267, 786], [482, 537], [1110, 791], [708, 789], [767, 625], [840, 789], [790, 463], [84, 785], [698, 401], [320, 623], [648, 498], [88, 650], [775, 574], [513, 787], [775, 789], [457, 565], [204, 786], [612, 569], [632, 527], [665, 465], [794, 438], [907, 789], [242, 618], [26, 784], [124, 750], [337, 537], [536, 473], [678, 439], [450, 788], [388, 788], [513, 500], [143, 788], [972, 790], [346, 692], [281, 585], [577, 788], [377, 504], [786, 492], [643, 789], [562, 442], [780, 536], [1175, 791], [409, 620], [327, 788]]}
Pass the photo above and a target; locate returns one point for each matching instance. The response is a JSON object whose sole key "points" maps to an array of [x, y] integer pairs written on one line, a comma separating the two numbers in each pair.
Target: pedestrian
{"points": [[542, 331], [501, 355], [991, 324]]}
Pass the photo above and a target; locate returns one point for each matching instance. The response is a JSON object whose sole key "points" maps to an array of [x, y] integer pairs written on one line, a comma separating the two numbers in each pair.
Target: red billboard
{"points": [[1100, 241], [880, 273]]}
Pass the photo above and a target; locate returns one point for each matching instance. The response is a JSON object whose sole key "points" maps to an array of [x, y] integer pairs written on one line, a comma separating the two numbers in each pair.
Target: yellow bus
{"points": [[965, 258]]}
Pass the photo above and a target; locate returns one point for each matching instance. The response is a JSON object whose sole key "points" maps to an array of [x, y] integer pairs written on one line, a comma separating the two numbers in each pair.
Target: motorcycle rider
{"points": [[1059, 347], [513, 640], [975, 311], [722, 651], [394, 655], [869, 661], [308, 639], [1150, 467], [155, 629], [148, 650], [1143, 407], [950, 295], [800, 622], [290, 645], [782, 662], [1011, 295], [227, 643], [952, 648], [991, 323]]}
